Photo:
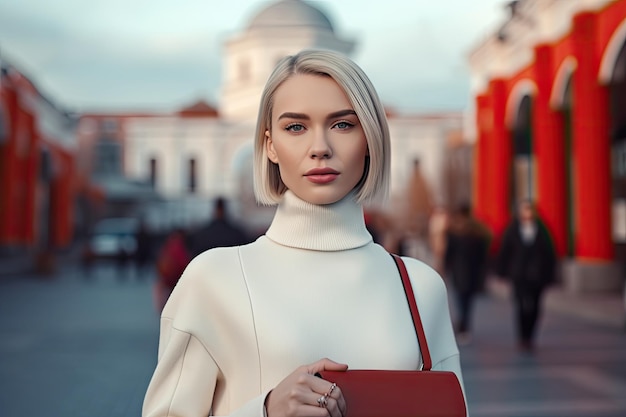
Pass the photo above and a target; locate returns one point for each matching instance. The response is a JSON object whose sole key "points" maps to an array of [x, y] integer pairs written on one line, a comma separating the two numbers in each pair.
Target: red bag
{"points": [[425, 393]]}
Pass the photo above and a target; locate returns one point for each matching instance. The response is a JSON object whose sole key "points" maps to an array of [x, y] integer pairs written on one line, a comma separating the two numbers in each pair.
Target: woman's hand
{"points": [[297, 395]]}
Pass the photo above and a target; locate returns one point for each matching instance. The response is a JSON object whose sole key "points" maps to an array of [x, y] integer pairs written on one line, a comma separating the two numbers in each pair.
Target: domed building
{"points": [[292, 14], [193, 156]]}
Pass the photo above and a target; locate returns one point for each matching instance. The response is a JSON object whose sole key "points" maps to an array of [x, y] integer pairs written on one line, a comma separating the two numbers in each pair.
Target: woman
{"points": [[247, 327]]}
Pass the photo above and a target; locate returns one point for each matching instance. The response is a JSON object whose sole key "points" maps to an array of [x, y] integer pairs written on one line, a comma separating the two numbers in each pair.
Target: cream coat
{"points": [[243, 318]]}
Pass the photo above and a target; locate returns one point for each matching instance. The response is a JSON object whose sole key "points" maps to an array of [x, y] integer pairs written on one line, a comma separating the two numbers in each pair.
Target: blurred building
{"points": [[194, 155], [38, 179], [549, 123], [101, 149]]}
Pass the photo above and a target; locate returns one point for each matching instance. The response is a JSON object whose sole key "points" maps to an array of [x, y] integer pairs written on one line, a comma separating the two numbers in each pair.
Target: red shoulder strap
{"points": [[417, 321]]}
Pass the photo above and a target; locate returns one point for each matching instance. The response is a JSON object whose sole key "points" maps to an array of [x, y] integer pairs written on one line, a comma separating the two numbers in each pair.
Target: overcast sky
{"points": [[137, 55]]}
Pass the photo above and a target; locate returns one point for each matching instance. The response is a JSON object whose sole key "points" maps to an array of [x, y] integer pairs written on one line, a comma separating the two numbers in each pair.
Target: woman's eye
{"points": [[343, 125], [295, 128]]}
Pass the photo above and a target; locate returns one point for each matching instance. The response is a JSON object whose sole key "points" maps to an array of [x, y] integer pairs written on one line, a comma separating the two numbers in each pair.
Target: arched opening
{"points": [[567, 109], [617, 97], [45, 198], [4, 125], [4, 139], [523, 185]]}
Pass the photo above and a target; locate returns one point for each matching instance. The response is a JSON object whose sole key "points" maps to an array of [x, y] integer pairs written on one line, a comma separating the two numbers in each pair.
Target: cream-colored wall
{"points": [[173, 141], [213, 143]]}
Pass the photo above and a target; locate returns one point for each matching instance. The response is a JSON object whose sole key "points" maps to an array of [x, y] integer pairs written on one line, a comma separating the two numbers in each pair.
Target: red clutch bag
{"points": [[424, 393]]}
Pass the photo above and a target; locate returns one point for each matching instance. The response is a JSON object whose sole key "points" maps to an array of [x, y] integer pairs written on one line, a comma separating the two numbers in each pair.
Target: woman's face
{"points": [[316, 139]]}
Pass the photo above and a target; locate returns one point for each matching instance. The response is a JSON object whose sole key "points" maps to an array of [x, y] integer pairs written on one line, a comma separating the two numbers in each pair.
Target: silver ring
{"points": [[332, 388], [322, 401]]}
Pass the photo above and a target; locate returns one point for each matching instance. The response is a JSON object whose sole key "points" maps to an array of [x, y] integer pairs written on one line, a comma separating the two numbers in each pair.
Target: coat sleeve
{"points": [[183, 384], [188, 380], [184, 379]]}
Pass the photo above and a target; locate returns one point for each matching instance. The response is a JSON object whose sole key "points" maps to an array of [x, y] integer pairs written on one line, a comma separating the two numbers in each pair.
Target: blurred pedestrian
{"points": [[437, 237], [143, 251], [87, 259], [221, 231], [465, 262], [527, 257], [625, 307], [122, 261], [171, 262]]}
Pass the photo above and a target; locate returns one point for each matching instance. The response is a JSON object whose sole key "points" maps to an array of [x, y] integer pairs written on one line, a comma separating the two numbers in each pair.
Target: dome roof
{"points": [[290, 13]]}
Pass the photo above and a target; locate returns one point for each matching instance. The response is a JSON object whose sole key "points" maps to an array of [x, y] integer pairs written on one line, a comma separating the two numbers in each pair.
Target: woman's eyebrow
{"points": [[302, 116], [341, 113], [289, 115]]}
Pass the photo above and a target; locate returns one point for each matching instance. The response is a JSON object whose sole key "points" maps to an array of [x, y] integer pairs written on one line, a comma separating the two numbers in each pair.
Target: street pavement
{"points": [[78, 346], [578, 367], [75, 346]]}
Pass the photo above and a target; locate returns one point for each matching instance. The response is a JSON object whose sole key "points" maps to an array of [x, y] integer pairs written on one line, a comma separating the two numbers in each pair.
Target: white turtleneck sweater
{"points": [[243, 318]]}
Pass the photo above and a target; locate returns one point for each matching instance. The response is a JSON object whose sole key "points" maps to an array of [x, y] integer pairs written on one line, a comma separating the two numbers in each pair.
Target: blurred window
{"points": [[107, 158], [153, 172], [192, 175], [109, 126]]}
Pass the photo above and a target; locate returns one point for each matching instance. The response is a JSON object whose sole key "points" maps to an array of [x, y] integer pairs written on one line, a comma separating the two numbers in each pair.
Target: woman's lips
{"points": [[321, 175], [322, 178]]}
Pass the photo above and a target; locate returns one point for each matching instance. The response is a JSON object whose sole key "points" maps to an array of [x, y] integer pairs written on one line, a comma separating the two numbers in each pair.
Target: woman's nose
{"points": [[320, 148]]}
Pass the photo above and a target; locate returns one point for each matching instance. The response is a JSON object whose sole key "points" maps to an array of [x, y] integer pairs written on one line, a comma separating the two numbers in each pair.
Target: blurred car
{"points": [[113, 238]]}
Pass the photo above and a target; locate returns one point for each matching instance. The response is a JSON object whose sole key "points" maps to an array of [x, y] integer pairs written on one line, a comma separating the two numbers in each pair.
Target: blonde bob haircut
{"points": [[374, 185]]}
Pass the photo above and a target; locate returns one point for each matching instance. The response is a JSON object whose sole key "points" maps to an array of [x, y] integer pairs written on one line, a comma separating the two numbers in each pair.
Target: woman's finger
{"points": [[330, 404], [331, 390], [341, 401], [328, 395], [325, 364]]}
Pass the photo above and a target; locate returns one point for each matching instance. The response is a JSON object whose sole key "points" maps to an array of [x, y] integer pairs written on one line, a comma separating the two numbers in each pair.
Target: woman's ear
{"points": [[269, 147]]}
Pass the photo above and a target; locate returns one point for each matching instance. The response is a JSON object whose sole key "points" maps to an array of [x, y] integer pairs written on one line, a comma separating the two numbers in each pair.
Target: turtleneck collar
{"points": [[331, 227]]}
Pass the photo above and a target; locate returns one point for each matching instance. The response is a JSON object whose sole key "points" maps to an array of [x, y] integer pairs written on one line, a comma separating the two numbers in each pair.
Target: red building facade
{"points": [[554, 130], [37, 168]]}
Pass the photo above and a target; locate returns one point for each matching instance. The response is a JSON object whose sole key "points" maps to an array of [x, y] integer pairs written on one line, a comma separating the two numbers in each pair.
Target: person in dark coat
{"points": [[219, 232], [465, 260], [143, 252], [527, 257]]}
